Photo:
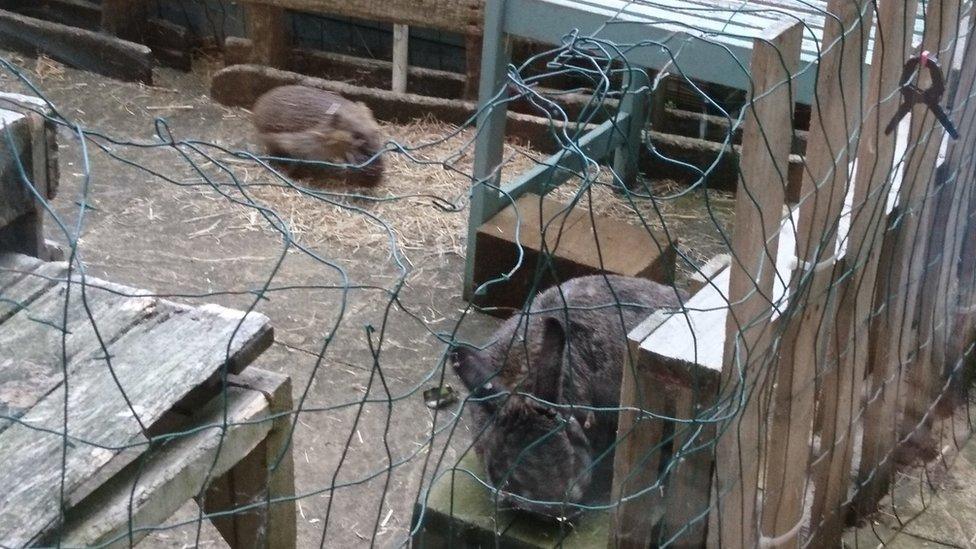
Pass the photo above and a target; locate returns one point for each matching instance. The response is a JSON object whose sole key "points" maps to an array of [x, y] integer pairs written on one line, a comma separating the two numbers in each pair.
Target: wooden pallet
{"points": [[132, 372]]}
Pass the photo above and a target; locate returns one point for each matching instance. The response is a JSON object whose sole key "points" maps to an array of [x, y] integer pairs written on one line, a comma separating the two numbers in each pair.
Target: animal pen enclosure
{"points": [[823, 343]]}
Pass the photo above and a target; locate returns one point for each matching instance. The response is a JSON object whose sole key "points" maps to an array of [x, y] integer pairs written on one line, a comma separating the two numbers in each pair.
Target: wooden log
{"points": [[927, 135], [79, 48], [126, 19], [401, 57], [185, 348], [28, 148], [459, 16], [267, 27], [153, 488], [806, 333], [265, 476], [761, 197]]}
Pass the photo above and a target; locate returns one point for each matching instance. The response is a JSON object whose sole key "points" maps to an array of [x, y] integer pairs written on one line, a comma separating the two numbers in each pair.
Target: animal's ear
{"points": [[547, 384], [475, 371]]}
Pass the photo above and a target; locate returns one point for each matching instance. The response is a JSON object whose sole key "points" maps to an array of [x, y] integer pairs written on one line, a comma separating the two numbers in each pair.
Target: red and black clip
{"points": [[913, 95]]}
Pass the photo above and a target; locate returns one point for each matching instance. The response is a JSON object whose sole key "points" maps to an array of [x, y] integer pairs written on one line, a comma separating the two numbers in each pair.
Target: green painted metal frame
{"points": [[620, 136]]}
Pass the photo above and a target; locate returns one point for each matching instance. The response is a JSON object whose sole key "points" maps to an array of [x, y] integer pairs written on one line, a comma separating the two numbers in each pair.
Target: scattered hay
{"points": [[47, 69], [423, 200]]}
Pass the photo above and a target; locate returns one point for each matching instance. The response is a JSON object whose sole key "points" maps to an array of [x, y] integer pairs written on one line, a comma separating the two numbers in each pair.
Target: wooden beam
{"points": [[266, 476], [150, 490], [803, 351], [760, 199], [472, 61], [844, 384], [186, 347], [76, 47], [401, 57], [267, 27], [459, 16]]}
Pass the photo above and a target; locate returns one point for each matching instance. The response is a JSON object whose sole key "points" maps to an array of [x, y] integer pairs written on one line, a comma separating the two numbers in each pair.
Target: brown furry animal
{"points": [[537, 389], [310, 124]]}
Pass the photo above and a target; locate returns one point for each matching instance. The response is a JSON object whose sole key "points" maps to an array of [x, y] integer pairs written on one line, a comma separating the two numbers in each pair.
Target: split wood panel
{"points": [[803, 349]]}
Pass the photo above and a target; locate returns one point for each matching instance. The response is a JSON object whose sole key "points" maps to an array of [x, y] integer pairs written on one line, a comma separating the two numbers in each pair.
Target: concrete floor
{"points": [[931, 506]]}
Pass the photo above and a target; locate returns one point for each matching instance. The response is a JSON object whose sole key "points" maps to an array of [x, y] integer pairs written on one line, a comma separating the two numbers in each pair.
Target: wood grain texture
{"points": [[918, 186], [638, 454], [161, 481], [843, 386], [460, 16], [35, 357], [834, 121], [155, 363], [264, 478], [267, 26], [766, 143], [401, 57], [960, 166], [76, 47], [856, 328]]}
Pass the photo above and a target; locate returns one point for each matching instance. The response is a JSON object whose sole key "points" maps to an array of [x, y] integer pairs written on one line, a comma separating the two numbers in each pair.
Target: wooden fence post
{"points": [[761, 194], [891, 336], [401, 57], [267, 27], [125, 19], [844, 385], [941, 32], [836, 113], [961, 170]]}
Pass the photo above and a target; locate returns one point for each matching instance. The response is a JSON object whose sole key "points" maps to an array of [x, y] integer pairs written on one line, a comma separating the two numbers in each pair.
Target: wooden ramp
{"points": [[112, 358]]}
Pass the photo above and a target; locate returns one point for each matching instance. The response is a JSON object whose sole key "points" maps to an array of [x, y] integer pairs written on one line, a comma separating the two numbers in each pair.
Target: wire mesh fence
{"points": [[543, 343]]}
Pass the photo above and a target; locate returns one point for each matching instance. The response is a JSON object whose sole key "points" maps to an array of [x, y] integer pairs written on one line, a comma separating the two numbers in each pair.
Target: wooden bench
{"points": [[117, 407]]}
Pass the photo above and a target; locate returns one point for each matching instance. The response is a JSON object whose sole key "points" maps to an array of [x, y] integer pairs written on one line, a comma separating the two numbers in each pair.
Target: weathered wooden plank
{"points": [[766, 143], [155, 364], [460, 16], [22, 293], [153, 488], [265, 476], [14, 267], [637, 457], [15, 152], [76, 47], [826, 182], [843, 385], [36, 358]]}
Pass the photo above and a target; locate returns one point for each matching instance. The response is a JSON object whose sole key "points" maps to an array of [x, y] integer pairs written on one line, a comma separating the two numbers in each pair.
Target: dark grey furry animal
{"points": [[312, 124], [569, 353]]}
